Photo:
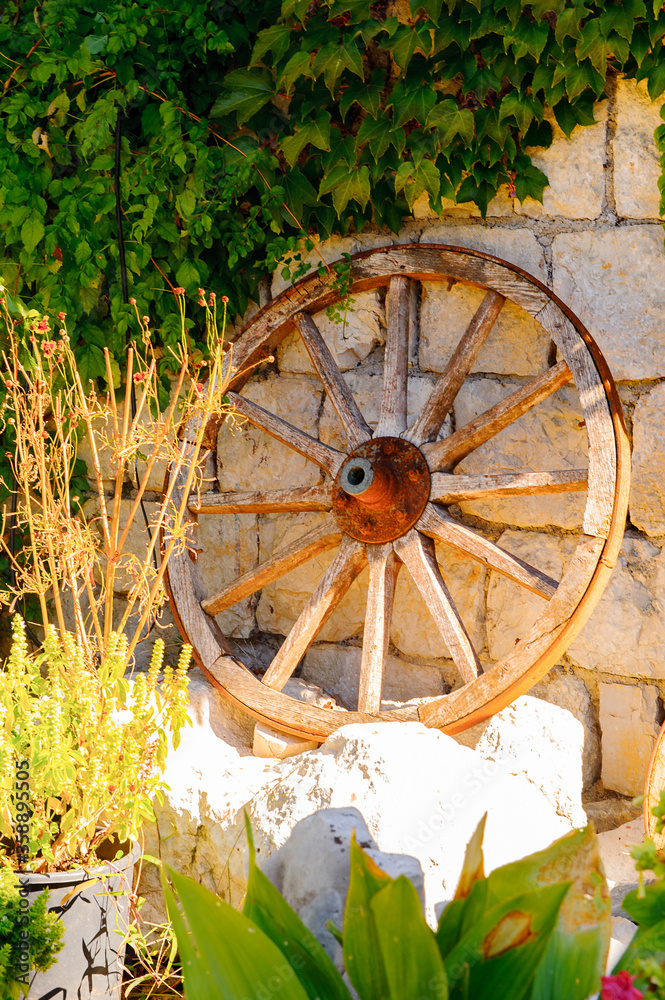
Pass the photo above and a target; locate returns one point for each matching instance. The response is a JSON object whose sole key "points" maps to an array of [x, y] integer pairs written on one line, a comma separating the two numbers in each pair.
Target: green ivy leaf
{"points": [[415, 102], [315, 132], [568, 23], [347, 184], [32, 232], [583, 76], [333, 59], [378, 134], [275, 39], [621, 18], [297, 66], [520, 106], [430, 7], [249, 90], [187, 275], [529, 39], [90, 363], [542, 7], [531, 182], [413, 180], [451, 121], [656, 80], [367, 95], [406, 42], [593, 45]]}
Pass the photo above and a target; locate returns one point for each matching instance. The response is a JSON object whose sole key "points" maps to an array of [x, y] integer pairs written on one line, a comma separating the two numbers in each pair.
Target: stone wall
{"points": [[597, 241]]}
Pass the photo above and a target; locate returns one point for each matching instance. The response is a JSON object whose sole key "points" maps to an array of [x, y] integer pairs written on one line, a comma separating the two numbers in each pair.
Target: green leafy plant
{"points": [[166, 148], [535, 929], [24, 929]]}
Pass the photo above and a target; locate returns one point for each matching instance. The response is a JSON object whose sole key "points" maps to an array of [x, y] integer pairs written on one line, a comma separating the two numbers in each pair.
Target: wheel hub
{"points": [[381, 490]]}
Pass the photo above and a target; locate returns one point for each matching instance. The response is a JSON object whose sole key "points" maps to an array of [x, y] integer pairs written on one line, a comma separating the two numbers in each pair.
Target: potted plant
{"points": [[82, 743]]}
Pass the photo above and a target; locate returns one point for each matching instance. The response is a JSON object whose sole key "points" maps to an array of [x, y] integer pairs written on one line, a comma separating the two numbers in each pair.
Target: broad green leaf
{"points": [[455, 919], [187, 275], [520, 106], [333, 59], [186, 203], [297, 66], [275, 39], [268, 909], [529, 38], [377, 133], [367, 95], [568, 23], [32, 231], [90, 363], [656, 80], [646, 907], [583, 76], [315, 132], [542, 7], [431, 7], [620, 19], [451, 121], [499, 955], [406, 42], [225, 956], [648, 943], [82, 251], [362, 946], [247, 91], [352, 186], [413, 180], [411, 959], [594, 45], [414, 102], [577, 953], [299, 192], [296, 8]]}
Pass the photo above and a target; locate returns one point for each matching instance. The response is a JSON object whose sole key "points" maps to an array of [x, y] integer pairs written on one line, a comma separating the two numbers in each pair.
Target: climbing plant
{"points": [[217, 136]]}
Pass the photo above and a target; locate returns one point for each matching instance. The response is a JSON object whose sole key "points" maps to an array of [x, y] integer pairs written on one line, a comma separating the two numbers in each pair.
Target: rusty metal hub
{"points": [[381, 490]]}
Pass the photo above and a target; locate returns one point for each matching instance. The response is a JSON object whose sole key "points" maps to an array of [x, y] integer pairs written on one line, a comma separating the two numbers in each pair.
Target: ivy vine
{"points": [[247, 128]]}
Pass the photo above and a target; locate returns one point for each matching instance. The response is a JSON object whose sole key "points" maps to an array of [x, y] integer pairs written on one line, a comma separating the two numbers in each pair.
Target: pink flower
{"points": [[202, 302], [202, 292], [619, 987], [61, 316], [212, 296], [42, 325], [179, 291]]}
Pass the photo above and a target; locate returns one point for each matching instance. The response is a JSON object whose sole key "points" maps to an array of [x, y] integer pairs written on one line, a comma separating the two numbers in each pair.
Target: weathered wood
{"points": [[383, 570], [533, 655], [447, 488], [597, 417], [355, 426], [654, 785], [300, 498], [439, 525], [328, 458], [319, 539], [392, 420], [430, 419], [341, 573], [417, 554], [444, 455]]}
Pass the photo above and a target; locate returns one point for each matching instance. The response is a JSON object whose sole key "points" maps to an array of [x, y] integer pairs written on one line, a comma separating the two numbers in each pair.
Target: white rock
{"points": [[613, 281], [312, 868], [516, 345], [615, 847], [249, 458], [636, 166], [564, 688], [647, 493], [269, 742], [363, 327], [420, 794], [630, 723], [549, 437], [575, 170], [544, 744]]}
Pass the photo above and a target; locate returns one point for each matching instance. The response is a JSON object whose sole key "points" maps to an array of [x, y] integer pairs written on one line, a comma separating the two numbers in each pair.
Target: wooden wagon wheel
{"points": [[388, 497]]}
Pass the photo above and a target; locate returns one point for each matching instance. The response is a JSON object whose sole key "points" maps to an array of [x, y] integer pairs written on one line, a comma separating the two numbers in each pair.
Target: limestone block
{"points": [[350, 341], [413, 630], [230, 547], [135, 548], [312, 868], [626, 632], [281, 602], [501, 205], [511, 609], [575, 170], [613, 281], [367, 389], [517, 344], [249, 458], [337, 669], [615, 847], [519, 246], [563, 688], [544, 744], [608, 814], [636, 158], [269, 742], [629, 720], [549, 437], [647, 494], [420, 794]]}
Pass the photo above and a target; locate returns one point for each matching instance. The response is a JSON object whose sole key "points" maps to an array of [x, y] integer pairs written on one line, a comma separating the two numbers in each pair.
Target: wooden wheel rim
{"points": [[588, 571]]}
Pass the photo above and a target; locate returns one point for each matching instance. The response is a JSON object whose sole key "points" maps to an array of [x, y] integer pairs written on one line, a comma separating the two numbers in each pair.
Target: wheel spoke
{"points": [[438, 524], [430, 419], [417, 554], [320, 539], [356, 428], [383, 570], [392, 421], [328, 458], [341, 573], [444, 455], [447, 488], [300, 498]]}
